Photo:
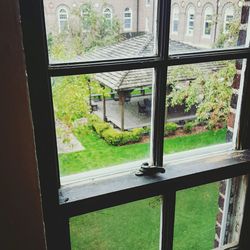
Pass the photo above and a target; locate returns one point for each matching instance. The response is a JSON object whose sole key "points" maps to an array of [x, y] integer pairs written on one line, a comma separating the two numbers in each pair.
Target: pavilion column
{"points": [[121, 95], [104, 108]]}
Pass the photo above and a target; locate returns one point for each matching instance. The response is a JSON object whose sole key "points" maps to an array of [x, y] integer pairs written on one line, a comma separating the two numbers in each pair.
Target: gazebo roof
{"points": [[139, 46]]}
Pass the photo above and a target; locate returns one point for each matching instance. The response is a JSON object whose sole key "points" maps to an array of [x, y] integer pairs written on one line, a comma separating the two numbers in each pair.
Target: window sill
{"points": [[84, 197]]}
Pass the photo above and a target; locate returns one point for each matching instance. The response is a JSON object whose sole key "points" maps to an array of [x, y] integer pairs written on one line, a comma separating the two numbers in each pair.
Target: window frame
{"points": [[208, 12], [190, 29], [59, 19], [39, 71], [127, 10]]}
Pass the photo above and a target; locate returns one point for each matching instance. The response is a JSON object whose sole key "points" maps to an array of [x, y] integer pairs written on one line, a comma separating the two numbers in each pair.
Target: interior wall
{"points": [[21, 222]]}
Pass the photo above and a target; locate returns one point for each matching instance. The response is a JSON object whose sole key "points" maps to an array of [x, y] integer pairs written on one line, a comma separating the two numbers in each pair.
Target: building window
{"points": [[190, 20], [228, 18], [118, 185], [63, 21], [208, 17], [175, 20], [146, 24], [108, 15], [147, 3], [128, 19], [85, 16]]}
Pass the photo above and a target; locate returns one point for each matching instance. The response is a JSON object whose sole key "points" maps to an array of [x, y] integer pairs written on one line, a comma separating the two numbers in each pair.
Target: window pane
{"points": [[102, 119], [208, 26], [132, 226], [97, 30], [209, 216], [202, 104]]}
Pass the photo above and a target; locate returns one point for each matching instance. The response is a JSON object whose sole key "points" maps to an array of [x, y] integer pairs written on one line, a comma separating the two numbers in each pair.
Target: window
{"points": [[85, 15], [146, 24], [108, 15], [208, 18], [175, 20], [190, 21], [228, 18], [160, 176], [63, 22], [147, 3], [127, 19]]}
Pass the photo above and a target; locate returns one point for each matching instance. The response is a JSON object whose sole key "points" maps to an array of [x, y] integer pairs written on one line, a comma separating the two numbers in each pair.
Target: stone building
{"points": [[192, 21]]}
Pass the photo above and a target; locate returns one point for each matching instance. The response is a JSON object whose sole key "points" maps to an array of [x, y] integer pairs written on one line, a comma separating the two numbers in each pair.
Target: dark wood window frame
{"points": [[62, 202]]}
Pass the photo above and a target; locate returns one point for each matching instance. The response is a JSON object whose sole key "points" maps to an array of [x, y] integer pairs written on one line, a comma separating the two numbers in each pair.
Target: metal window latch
{"points": [[146, 169]]}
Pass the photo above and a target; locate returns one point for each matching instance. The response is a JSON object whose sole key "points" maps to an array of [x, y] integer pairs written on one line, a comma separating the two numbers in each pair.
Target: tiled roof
{"points": [[139, 46]]}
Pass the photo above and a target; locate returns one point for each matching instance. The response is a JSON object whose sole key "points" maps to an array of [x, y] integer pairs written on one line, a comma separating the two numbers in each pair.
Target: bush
{"points": [[112, 136], [170, 128], [100, 127], [188, 127]]}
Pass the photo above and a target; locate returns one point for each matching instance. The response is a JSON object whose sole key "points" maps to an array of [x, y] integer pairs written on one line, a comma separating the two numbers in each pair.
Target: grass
{"points": [[98, 153], [136, 225]]}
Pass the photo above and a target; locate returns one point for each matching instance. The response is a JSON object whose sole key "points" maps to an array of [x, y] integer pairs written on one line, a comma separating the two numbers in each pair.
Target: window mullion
{"points": [[167, 221]]}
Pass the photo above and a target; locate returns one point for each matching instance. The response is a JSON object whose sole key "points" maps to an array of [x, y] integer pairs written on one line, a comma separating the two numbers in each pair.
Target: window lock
{"points": [[147, 169]]}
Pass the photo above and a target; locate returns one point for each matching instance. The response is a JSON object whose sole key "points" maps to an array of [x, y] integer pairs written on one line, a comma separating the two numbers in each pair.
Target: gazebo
{"points": [[122, 83]]}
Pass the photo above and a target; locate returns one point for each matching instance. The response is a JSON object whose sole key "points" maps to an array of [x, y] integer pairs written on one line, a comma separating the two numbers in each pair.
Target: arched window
{"points": [[108, 15], [190, 20], [208, 18], [85, 11], [127, 19], [228, 18], [63, 22], [175, 20]]}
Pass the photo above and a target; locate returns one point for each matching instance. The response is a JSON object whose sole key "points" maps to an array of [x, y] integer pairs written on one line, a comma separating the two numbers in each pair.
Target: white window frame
{"points": [[175, 18], [108, 11], [208, 12], [229, 12], [125, 18], [190, 28], [64, 19]]}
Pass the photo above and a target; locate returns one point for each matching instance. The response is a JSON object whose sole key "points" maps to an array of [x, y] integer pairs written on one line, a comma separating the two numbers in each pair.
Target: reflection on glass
{"points": [[102, 119], [202, 103], [132, 226], [207, 26], [97, 30]]}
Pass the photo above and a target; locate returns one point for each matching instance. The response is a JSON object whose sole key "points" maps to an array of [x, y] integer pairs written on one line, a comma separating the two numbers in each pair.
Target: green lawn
{"points": [[98, 153], [136, 225]]}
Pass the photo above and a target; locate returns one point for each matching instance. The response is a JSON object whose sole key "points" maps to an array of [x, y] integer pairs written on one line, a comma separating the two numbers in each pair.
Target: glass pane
{"points": [[209, 216], [207, 26], [100, 30], [132, 226], [203, 102], [102, 119]]}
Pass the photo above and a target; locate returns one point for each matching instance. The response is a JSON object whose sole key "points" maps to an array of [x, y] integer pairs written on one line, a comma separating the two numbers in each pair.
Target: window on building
{"points": [[175, 19], [147, 2], [228, 18], [127, 19], [190, 20], [170, 187], [108, 15], [85, 16], [63, 21], [208, 19], [146, 24]]}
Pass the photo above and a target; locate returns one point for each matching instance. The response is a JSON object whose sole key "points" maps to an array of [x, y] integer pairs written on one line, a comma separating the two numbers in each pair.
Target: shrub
{"points": [[188, 127], [100, 127], [170, 128], [112, 136]]}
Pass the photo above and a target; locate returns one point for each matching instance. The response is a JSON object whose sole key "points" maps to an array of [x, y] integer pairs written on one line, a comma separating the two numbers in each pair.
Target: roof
{"points": [[139, 46]]}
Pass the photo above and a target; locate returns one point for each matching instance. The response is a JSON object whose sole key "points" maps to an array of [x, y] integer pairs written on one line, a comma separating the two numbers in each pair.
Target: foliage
{"points": [[210, 93], [113, 136], [170, 128], [188, 127], [95, 31], [71, 97]]}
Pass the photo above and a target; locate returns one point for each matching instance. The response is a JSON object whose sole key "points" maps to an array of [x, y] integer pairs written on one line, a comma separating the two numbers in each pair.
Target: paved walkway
{"points": [[66, 141]]}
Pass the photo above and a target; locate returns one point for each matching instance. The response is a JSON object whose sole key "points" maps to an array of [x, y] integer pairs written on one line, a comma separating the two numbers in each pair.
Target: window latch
{"points": [[146, 169]]}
